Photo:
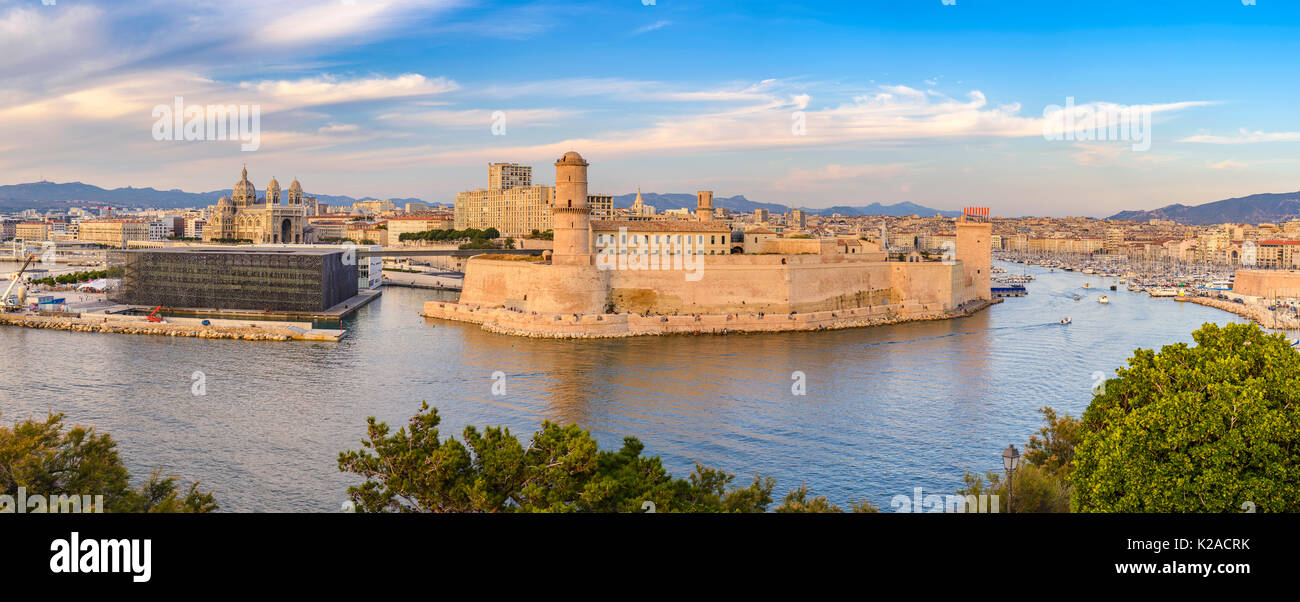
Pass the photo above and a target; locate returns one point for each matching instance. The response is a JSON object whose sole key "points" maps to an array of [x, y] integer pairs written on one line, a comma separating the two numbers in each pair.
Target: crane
{"points": [[17, 277]]}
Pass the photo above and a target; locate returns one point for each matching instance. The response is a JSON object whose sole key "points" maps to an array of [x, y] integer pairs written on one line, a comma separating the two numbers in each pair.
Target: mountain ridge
{"points": [[1252, 209]]}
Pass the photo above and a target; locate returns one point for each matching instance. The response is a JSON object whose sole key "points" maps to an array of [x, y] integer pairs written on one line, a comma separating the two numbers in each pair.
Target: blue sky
{"points": [[900, 100]]}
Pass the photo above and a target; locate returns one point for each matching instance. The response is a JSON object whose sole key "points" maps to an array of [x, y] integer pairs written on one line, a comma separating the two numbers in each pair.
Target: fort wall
{"points": [[505, 321], [1267, 283]]}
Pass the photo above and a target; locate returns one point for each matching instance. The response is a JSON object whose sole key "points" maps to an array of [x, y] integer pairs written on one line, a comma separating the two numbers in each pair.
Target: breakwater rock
{"points": [[119, 326]]}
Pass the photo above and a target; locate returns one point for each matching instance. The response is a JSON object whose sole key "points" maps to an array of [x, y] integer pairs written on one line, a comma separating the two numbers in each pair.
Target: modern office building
{"points": [[306, 279], [504, 176]]}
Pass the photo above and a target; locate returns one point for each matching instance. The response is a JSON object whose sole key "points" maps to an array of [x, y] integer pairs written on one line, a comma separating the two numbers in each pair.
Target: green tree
{"points": [[1199, 428], [48, 460], [1034, 490], [1052, 449], [797, 502], [561, 469]]}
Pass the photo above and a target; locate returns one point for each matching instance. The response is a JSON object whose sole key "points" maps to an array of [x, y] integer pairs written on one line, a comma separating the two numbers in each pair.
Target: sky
{"points": [[943, 103]]}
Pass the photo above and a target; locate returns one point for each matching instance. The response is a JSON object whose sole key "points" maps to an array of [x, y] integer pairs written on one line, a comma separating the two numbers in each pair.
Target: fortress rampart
{"points": [[808, 282], [512, 322]]}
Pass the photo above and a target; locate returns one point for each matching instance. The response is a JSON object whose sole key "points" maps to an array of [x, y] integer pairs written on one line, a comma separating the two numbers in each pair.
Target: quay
{"points": [[1261, 315], [336, 313], [247, 330]]}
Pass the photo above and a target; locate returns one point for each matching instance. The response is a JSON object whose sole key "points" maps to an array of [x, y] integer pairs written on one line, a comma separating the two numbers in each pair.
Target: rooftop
{"points": [[659, 225], [243, 250]]}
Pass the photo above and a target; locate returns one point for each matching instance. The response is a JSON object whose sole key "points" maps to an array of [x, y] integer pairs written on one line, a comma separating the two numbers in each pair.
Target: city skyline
{"points": [[938, 105]]}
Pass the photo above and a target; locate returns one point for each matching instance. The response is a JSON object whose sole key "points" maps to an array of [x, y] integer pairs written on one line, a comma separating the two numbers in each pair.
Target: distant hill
{"points": [[662, 202], [896, 209], [44, 196], [1253, 209]]}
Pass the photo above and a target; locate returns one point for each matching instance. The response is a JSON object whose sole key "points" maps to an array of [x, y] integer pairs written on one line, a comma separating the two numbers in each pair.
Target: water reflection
{"points": [[886, 409]]}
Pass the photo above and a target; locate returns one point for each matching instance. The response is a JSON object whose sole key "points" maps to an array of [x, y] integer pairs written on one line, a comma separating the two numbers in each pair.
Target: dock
{"points": [[333, 314]]}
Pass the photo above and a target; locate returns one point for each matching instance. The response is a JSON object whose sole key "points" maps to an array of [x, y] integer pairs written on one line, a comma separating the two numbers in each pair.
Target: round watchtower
{"points": [[570, 217]]}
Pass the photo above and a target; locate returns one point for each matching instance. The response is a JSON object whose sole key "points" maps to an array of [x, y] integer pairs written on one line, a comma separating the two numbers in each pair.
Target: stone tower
{"points": [[273, 192], [975, 250], [704, 205], [571, 218], [295, 193]]}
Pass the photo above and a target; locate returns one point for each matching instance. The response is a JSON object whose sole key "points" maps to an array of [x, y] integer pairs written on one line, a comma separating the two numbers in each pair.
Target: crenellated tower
{"points": [[570, 217], [975, 250]]}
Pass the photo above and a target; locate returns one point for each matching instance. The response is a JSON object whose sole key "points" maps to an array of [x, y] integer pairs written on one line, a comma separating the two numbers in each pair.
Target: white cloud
{"points": [[479, 118], [328, 90], [651, 27], [1245, 137], [1228, 165]]}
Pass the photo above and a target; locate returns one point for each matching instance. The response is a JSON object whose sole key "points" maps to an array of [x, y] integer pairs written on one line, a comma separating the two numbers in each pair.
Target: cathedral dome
{"points": [[295, 186], [244, 189]]}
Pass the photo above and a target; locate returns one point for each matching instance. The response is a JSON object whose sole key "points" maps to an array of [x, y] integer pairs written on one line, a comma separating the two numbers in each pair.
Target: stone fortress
{"points": [[776, 284]]}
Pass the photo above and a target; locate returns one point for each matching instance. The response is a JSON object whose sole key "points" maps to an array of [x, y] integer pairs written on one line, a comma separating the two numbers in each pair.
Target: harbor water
{"points": [[886, 409]]}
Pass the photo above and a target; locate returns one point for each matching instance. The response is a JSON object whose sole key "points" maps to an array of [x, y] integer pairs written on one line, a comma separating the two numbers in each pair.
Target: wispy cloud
{"points": [[1228, 165], [1245, 137], [651, 27]]}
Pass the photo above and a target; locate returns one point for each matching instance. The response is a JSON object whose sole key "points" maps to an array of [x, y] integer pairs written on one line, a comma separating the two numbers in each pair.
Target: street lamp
{"points": [[1010, 460]]}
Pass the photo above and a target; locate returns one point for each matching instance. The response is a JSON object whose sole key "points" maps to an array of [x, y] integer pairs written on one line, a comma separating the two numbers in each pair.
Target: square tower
{"points": [[975, 250]]}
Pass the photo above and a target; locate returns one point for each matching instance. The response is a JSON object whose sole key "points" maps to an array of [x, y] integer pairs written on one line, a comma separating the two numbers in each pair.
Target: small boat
{"points": [[1076, 297], [1065, 320], [1103, 299], [1112, 287], [1087, 285]]}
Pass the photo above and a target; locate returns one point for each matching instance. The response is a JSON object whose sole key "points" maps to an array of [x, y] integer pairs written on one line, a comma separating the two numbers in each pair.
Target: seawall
{"points": [[1261, 315], [582, 326], [246, 331]]}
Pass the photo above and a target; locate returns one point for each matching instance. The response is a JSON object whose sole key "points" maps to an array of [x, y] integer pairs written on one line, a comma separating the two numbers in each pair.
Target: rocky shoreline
{"points": [[500, 321], [1261, 315], [84, 324]]}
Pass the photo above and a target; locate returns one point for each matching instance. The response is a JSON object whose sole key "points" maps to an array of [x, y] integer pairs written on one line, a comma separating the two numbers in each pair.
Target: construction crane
{"points": [[15, 304]]}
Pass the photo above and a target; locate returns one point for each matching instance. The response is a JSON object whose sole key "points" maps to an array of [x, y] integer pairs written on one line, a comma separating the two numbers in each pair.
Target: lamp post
{"points": [[1010, 460]]}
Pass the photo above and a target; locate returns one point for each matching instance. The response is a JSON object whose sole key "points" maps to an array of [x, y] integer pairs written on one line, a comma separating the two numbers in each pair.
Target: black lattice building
{"points": [[295, 279]]}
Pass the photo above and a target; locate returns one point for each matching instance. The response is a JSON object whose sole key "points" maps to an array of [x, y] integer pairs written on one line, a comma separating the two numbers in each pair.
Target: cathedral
{"points": [[242, 217]]}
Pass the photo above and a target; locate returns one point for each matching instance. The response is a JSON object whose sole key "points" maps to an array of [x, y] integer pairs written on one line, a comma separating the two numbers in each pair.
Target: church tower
{"points": [[273, 192], [570, 217], [295, 193], [704, 205]]}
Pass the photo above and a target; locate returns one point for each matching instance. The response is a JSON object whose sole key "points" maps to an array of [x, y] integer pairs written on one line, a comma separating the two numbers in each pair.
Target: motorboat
{"points": [[1076, 297], [1103, 299], [1065, 320], [1087, 285]]}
